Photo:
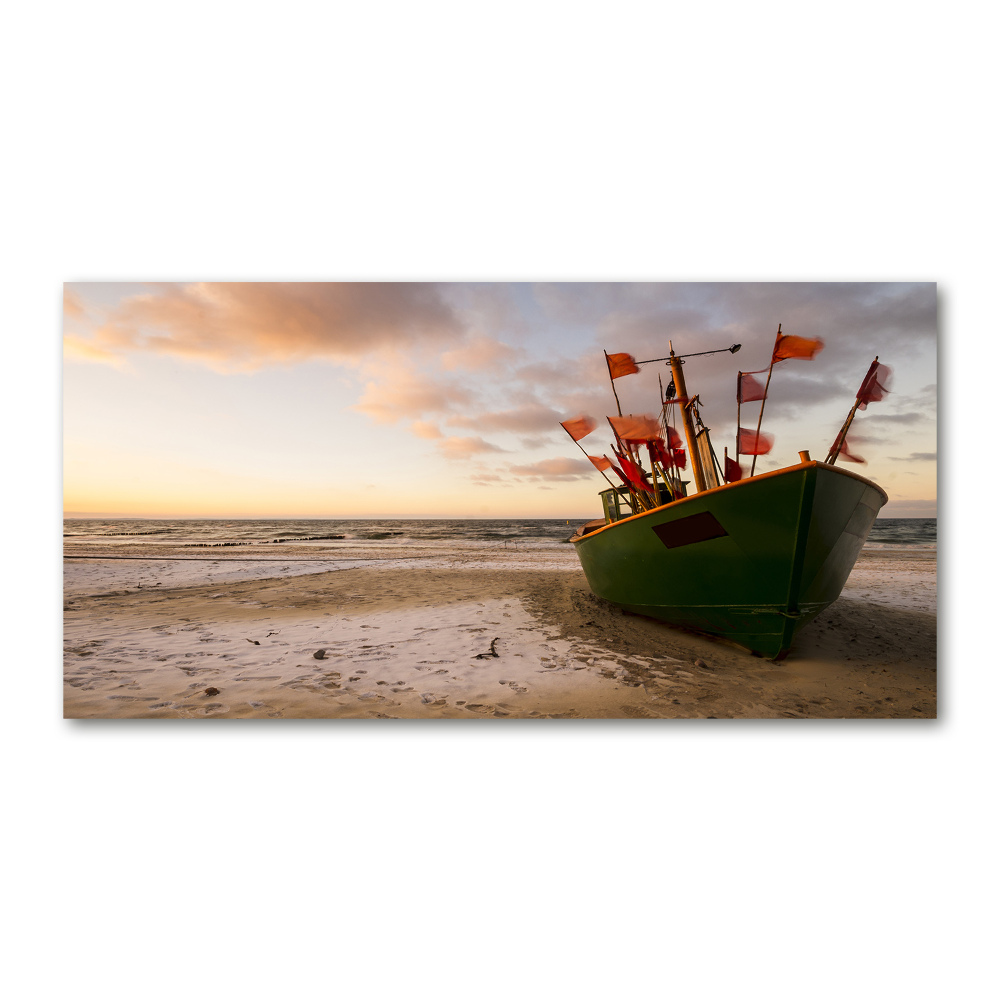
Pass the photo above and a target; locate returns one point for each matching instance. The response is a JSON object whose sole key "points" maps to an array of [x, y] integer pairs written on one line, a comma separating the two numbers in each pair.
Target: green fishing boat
{"points": [[751, 560]]}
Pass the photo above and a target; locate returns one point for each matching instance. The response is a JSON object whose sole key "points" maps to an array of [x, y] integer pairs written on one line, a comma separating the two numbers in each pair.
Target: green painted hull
{"points": [[752, 561]]}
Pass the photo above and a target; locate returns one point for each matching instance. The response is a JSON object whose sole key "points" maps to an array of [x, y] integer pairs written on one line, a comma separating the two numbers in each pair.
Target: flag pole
{"points": [[656, 482], [753, 464], [692, 441], [831, 458], [613, 389]]}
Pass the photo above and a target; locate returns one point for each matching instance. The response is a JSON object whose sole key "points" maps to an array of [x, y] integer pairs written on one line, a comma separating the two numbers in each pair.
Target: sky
{"points": [[422, 399]]}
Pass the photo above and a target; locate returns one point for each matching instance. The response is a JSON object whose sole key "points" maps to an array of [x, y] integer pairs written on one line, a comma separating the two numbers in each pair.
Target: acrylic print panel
{"points": [[355, 500]]}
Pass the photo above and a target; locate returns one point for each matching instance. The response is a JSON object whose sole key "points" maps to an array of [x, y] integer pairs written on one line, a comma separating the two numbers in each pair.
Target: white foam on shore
{"points": [[93, 575], [883, 579]]}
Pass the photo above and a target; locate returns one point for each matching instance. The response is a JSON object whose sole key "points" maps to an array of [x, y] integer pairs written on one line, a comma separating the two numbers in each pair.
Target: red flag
{"points": [[752, 443], [734, 471], [669, 459], [748, 388], [850, 456], [579, 427], [632, 428], [601, 463], [660, 454], [636, 476], [621, 364], [873, 389], [674, 439], [795, 347], [618, 472], [669, 454]]}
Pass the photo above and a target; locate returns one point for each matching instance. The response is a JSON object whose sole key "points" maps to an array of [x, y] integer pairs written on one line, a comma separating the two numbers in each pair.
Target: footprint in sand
{"points": [[515, 687]]}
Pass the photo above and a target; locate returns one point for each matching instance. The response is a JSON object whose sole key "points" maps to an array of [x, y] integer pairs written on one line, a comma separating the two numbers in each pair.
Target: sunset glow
{"points": [[434, 400]]}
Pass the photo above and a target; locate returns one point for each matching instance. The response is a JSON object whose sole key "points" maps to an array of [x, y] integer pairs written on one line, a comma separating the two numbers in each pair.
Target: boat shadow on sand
{"points": [[850, 630], [857, 659]]}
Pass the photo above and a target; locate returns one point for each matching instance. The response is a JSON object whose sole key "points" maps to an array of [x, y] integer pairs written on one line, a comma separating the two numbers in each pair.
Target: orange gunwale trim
{"points": [[731, 486]]}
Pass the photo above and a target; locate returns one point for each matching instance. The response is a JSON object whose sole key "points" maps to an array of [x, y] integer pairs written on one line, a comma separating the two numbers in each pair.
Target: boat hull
{"points": [[752, 561]]}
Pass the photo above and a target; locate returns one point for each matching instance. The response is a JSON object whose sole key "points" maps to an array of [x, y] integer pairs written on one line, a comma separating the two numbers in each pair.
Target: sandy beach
{"points": [[508, 634]]}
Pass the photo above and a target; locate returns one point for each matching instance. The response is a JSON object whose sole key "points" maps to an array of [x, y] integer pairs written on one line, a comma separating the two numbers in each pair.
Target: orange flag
{"points": [[579, 427], [601, 463], [632, 428], [621, 364], [795, 347]]}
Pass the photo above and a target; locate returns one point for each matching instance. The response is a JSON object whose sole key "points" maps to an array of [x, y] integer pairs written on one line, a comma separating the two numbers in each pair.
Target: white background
{"points": [[454, 141]]}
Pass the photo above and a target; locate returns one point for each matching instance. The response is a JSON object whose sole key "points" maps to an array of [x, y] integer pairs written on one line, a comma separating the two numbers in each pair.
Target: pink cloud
{"points": [[402, 393], [463, 447], [244, 325], [425, 429], [77, 349], [72, 306], [480, 352]]}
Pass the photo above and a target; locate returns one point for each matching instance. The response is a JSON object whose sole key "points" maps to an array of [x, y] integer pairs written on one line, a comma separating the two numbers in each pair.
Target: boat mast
{"points": [[693, 455]]}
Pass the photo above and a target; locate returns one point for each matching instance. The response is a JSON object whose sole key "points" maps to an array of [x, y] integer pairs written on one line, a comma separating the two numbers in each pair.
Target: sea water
{"points": [[266, 536]]}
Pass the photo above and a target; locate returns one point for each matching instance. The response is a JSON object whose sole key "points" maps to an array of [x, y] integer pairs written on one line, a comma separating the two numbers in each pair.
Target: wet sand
{"points": [[410, 637]]}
